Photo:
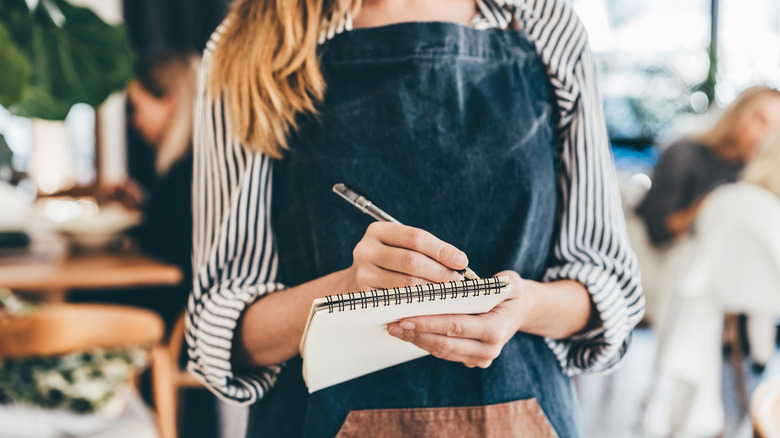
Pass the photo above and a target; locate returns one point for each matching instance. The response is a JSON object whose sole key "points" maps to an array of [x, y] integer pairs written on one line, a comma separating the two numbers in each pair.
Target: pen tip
{"points": [[471, 275]]}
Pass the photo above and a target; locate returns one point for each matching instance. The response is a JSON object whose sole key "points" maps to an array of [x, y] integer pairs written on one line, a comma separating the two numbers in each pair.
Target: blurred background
{"points": [[95, 170]]}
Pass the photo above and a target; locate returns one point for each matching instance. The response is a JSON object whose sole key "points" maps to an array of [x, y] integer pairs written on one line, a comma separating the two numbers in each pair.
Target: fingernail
{"points": [[407, 325], [460, 259], [396, 331]]}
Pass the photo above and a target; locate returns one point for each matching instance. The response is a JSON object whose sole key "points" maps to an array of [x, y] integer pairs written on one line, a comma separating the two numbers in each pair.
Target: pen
{"points": [[368, 207]]}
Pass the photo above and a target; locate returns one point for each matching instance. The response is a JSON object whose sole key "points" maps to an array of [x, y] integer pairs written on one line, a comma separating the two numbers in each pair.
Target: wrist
{"points": [[526, 297], [346, 280]]}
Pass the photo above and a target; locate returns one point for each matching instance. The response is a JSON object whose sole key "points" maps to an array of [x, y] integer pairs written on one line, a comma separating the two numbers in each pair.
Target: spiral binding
{"points": [[411, 294]]}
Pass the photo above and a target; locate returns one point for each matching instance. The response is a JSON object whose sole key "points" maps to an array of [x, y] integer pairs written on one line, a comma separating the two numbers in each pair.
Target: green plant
{"points": [[82, 382], [54, 55]]}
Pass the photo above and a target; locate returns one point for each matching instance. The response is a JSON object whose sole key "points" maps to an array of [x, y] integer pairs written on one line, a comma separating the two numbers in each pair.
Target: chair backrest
{"points": [[738, 254], [661, 268], [63, 328], [58, 329]]}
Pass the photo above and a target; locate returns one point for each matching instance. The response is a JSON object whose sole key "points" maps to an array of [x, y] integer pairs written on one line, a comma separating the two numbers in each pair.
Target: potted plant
{"points": [[54, 55]]}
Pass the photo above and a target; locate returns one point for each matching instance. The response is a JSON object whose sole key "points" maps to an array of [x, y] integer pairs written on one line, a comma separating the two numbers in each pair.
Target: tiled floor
{"points": [[611, 405]]}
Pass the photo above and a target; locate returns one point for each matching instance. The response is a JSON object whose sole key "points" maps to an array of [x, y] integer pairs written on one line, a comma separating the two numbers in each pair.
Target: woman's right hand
{"points": [[392, 255], [388, 255]]}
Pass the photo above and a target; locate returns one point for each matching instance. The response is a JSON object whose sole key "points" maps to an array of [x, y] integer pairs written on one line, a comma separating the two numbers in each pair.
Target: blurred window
{"points": [[19, 136], [653, 62], [653, 58], [80, 142], [81, 135], [748, 46]]}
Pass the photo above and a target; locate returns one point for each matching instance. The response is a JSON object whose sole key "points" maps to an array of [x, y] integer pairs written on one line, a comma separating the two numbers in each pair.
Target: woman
{"points": [[691, 168], [687, 172], [734, 268], [476, 122], [161, 98]]}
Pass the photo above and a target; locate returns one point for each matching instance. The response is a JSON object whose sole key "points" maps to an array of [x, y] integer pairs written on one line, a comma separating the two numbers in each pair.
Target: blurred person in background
{"points": [[161, 101], [764, 171], [693, 166], [687, 171], [735, 267]]}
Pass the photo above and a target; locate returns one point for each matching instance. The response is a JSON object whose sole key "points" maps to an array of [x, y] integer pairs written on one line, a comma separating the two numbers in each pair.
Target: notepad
{"points": [[346, 334]]}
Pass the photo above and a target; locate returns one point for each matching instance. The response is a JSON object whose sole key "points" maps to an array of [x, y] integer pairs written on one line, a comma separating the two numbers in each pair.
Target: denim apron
{"points": [[448, 129]]}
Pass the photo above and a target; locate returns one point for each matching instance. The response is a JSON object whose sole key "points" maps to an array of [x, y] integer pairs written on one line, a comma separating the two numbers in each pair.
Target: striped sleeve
{"points": [[234, 255], [592, 246]]}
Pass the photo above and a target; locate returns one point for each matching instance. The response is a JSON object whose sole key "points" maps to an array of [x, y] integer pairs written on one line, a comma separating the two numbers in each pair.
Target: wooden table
{"points": [[87, 272]]}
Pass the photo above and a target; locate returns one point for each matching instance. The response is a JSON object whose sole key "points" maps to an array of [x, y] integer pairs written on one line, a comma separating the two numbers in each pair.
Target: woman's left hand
{"points": [[474, 340]]}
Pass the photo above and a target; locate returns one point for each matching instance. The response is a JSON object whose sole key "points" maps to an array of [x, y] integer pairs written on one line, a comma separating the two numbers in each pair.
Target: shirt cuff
{"points": [[211, 326], [600, 350]]}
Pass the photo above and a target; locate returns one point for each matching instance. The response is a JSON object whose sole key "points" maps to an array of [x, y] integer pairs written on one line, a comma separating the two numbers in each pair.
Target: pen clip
{"points": [[363, 203]]}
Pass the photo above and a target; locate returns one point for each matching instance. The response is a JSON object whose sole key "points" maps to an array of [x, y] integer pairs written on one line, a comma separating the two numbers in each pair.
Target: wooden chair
{"points": [[64, 328], [180, 378]]}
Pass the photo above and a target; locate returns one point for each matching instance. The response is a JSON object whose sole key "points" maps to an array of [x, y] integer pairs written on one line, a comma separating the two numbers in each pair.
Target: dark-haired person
{"points": [[161, 99], [477, 122]]}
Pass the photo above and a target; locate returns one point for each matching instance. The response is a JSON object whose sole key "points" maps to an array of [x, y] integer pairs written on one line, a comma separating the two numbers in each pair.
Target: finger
{"points": [[379, 278], [370, 254], [477, 327], [402, 236], [415, 264], [516, 282], [467, 351]]}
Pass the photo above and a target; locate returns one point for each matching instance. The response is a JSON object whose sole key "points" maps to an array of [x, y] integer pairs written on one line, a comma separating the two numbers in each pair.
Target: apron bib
{"points": [[448, 129]]}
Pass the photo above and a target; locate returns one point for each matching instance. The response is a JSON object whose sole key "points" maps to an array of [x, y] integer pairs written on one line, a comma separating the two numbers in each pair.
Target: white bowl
{"points": [[87, 224]]}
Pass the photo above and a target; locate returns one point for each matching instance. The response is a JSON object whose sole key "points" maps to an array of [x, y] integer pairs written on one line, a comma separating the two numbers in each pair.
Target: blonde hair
{"points": [[764, 170], [722, 135], [267, 68]]}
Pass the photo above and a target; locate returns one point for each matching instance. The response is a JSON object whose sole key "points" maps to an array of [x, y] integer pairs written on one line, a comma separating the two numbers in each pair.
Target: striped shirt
{"points": [[235, 257]]}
